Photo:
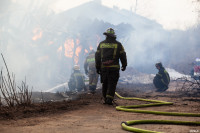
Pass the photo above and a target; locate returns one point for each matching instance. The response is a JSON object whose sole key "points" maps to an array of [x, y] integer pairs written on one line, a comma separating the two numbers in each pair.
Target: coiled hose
{"points": [[127, 125]]}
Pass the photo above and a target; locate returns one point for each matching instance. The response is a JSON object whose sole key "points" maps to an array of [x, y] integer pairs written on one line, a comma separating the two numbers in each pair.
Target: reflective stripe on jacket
{"points": [[90, 62], [108, 54], [164, 76], [78, 78]]}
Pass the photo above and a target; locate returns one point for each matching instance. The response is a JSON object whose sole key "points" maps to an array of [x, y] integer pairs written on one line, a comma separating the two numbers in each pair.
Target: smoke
{"points": [[175, 49], [22, 53], [43, 46]]}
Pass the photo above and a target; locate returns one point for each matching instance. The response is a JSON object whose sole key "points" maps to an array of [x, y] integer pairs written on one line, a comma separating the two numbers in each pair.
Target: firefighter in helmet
{"points": [[107, 57], [77, 80], [162, 79], [90, 70]]}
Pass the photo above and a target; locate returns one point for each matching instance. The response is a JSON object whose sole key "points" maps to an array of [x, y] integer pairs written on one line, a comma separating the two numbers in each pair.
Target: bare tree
{"points": [[9, 91], [187, 86]]}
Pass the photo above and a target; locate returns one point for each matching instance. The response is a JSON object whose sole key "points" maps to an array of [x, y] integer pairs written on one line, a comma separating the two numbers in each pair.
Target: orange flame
{"points": [[59, 49], [78, 50], [86, 51], [76, 60], [37, 34], [91, 48], [69, 46]]}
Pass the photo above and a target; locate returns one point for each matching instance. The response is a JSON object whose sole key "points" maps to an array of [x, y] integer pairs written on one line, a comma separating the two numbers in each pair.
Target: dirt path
{"points": [[95, 117]]}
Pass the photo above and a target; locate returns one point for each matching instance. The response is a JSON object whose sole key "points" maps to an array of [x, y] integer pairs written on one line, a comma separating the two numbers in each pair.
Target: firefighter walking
{"points": [[90, 70], [107, 57]]}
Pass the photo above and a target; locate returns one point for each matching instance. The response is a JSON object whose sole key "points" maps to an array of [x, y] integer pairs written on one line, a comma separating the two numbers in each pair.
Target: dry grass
{"points": [[10, 95]]}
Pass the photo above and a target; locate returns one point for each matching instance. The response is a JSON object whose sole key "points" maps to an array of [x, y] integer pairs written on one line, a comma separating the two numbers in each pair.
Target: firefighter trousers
{"points": [[159, 84], [93, 80], [109, 81]]}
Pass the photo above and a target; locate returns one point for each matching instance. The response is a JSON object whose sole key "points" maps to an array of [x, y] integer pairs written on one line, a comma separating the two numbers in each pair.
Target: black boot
{"points": [[92, 89], [109, 101], [162, 89]]}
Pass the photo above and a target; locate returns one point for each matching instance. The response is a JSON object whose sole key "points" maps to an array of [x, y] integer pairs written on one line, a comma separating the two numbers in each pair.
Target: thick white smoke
{"points": [[32, 40]]}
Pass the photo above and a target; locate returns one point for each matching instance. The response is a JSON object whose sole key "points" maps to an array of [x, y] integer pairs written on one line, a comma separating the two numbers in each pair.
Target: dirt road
{"points": [[87, 114]]}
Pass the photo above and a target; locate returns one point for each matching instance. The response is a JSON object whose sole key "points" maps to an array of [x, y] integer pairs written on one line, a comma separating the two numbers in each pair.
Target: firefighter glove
{"points": [[123, 68]]}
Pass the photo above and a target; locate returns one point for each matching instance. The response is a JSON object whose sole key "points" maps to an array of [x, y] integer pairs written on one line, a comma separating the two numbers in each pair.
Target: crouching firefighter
{"points": [[107, 58], [162, 79], [90, 70], [77, 80]]}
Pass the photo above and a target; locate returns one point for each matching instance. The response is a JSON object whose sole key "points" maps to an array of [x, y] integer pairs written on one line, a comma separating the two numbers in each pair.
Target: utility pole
{"points": [[135, 6]]}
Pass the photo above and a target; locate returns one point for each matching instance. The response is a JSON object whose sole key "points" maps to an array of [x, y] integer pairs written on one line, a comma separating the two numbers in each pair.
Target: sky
{"points": [[172, 14]]}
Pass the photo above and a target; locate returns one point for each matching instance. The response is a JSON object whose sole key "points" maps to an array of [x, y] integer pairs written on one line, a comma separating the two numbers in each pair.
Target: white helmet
{"points": [[76, 67]]}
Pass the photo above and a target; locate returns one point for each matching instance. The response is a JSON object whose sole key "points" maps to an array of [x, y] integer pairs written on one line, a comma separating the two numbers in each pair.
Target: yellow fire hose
{"points": [[127, 125]]}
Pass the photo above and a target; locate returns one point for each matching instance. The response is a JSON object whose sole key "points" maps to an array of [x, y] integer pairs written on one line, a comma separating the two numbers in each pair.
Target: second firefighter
{"points": [[90, 70]]}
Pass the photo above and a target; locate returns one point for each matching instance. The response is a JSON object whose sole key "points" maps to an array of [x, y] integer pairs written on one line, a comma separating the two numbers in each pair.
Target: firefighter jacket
{"points": [[163, 75], [77, 80], [108, 54], [90, 63]]}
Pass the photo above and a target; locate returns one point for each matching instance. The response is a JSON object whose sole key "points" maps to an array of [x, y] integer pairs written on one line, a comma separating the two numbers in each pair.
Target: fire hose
{"points": [[127, 125]]}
